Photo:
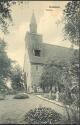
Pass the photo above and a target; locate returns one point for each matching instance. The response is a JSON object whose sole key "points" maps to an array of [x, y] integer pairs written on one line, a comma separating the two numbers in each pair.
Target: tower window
{"points": [[37, 52]]}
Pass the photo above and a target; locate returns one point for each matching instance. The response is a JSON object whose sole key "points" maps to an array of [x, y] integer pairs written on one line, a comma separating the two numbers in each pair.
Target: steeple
{"points": [[33, 24]]}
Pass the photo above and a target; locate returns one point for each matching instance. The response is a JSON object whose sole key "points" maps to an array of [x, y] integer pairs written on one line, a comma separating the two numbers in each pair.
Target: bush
{"points": [[53, 97], [2, 97], [21, 96], [61, 97], [42, 115], [66, 98], [46, 95]]}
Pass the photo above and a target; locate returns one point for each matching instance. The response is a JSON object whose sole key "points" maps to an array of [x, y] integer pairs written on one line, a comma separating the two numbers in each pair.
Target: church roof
{"points": [[52, 52]]}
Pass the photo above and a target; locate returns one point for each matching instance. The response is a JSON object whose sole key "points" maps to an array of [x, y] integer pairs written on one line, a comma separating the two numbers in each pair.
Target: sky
{"points": [[47, 23]]}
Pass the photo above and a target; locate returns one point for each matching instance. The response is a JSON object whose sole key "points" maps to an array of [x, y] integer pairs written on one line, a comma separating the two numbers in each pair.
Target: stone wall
{"points": [[36, 71]]}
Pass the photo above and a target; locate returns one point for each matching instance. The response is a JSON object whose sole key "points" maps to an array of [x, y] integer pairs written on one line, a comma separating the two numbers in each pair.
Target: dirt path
{"points": [[13, 110]]}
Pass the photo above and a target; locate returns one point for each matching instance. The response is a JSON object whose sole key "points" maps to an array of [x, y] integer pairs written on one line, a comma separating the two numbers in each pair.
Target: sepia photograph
{"points": [[39, 62]]}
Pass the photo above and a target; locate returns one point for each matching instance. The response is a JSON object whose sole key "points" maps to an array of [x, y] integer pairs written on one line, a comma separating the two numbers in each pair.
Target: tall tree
{"points": [[5, 64], [5, 14], [72, 32], [5, 61], [17, 78], [72, 21], [51, 76], [5, 21]]}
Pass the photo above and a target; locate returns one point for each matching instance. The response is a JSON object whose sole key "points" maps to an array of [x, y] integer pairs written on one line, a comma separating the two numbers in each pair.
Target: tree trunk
{"points": [[43, 89], [79, 74], [68, 115], [25, 84], [50, 91]]}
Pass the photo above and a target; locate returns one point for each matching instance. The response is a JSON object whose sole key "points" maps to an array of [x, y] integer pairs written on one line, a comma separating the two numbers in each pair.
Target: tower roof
{"points": [[33, 24], [33, 19]]}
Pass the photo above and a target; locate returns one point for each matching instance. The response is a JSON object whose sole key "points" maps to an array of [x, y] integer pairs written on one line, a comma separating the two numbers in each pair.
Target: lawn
{"points": [[13, 110]]}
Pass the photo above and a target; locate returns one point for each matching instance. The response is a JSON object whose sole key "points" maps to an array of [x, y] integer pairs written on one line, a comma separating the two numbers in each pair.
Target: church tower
{"points": [[33, 24], [34, 56]]}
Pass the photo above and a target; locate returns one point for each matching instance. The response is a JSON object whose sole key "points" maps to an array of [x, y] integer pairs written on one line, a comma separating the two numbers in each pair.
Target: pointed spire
{"points": [[33, 24], [33, 18]]}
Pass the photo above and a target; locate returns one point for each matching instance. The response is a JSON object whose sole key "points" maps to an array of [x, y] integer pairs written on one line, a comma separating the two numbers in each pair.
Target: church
{"points": [[37, 54]]}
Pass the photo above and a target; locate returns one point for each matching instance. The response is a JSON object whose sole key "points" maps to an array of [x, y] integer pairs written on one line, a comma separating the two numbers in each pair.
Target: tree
{"points": [[75, 64], [72, 21], [72, 26], [5, 65], [17, 78], [51, 76], [72, 32], [5, 14], [5, 61]]}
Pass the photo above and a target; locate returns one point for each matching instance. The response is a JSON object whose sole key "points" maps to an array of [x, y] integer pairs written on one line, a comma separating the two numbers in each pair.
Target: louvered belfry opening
{"points": [[37, 52]]}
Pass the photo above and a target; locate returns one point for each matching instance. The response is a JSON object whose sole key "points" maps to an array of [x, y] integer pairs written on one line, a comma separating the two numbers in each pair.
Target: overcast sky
{"points": [[46, 22]]}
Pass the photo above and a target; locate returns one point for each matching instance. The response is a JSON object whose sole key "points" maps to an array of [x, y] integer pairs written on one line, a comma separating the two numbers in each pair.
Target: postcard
{"points": [[39, 62]]}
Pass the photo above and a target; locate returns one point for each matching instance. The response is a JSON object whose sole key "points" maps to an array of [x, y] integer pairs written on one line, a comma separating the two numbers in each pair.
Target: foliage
{"points": [[5, 65], [75, 64], [42, 115], [66, 73], [5, 14], [2, 97], [75, 74], [3, 86], [47, 95], [51, 76], [17, 78], [5, 61], [21, 96], [70, 96], [72, 21]]}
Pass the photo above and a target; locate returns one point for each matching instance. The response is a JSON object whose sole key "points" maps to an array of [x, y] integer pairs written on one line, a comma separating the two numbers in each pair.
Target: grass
{"points": [[12, 111]]}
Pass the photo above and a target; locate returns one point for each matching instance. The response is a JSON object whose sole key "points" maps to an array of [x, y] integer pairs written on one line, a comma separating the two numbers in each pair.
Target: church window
{"points": [[37, 52]]}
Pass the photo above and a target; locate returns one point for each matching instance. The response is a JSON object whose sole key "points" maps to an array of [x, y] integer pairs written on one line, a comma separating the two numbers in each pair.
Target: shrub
{"points": [[42, 115], [2, 97], [46, 95], [61, 97], [53, 97], [21, 96]]}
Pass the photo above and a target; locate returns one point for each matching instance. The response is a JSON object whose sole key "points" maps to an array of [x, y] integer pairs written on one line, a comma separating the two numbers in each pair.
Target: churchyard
{"points": [[13, 110]]}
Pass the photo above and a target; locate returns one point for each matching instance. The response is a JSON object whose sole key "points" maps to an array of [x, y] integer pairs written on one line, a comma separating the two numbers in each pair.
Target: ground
{"points": [[13, 110]]}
